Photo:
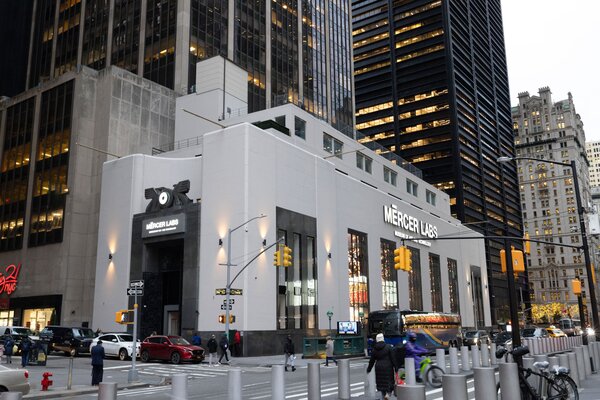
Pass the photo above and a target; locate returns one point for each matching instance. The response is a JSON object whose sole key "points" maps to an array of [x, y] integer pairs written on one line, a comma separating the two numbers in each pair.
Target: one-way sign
{"points": [[135, 292], [139, 284]]}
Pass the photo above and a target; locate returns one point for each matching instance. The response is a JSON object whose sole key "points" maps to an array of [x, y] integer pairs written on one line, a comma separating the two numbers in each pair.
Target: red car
{"points": [[170, 348]]}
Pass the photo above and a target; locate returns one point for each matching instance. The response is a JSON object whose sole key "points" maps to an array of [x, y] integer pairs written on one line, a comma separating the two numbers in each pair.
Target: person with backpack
{"points": [[381, 358], [25, 348], [8, 348], [212, 351]]}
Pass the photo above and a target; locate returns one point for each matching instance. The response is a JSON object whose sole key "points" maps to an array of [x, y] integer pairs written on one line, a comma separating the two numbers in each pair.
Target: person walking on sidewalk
{"points": [[25, 348], [329, 351], [381, 357], [8, 348], [290, 353], [97, 363], [224, 345], [212, 351], [237, 344]]}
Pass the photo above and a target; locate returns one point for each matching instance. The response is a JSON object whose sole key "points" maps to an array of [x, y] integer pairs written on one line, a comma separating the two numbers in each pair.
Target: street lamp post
{"points": [[228, 286], [584, 243], [329, 315]]}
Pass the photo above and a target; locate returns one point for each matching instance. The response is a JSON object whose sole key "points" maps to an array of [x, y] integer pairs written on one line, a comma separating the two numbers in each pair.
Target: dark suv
{"points": [[72, 341]]}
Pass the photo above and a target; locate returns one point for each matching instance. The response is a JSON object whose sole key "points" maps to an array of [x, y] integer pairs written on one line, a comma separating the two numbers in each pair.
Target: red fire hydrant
{"points": [[46, 382]]}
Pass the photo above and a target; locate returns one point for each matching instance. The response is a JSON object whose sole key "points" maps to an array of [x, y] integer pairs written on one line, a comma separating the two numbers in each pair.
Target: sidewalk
{"points": [[590, 388], [77, 390]]}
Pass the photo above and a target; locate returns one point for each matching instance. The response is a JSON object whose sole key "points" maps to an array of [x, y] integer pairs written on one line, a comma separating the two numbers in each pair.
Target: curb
{"points": [[51, 394]]}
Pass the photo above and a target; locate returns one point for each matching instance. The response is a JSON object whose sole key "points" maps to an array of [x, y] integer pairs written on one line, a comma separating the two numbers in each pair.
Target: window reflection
{"points": [[358, 272], [389, 275]]}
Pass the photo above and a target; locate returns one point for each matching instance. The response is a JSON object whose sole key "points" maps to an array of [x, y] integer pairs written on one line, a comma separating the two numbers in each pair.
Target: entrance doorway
{"points": [[172, 319]]}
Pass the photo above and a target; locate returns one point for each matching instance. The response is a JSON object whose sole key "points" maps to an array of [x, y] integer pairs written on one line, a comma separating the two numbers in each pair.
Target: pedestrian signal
{"points": [[123, 317], [222, 318], [518, 262]]}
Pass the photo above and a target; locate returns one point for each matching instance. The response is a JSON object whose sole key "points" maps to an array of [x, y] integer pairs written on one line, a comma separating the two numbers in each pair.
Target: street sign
{"points": [[135, 292], [231, 301], [233, 292], [223, 307], [139, 284]]}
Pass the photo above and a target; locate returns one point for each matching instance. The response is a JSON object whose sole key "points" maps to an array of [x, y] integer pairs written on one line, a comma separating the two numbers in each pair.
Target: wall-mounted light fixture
{"points": [[329, 255], [109, 256], [468, 283], [220, 242], [264, 242]]}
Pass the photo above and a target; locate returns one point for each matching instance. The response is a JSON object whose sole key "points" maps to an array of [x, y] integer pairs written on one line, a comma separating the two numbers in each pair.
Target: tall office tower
{"points": [[295, 51], [431, 85], [592, 150], [552, 131]]}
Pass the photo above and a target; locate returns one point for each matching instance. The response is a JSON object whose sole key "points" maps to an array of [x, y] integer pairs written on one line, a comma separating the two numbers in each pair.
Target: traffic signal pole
{"points": [[133, 374]]}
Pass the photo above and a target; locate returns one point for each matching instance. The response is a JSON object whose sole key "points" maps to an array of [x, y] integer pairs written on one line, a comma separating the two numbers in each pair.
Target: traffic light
{"points": [[407, 259], [277, 259], [122, 317], [222, 318], [287, 256], [399, 257], [527, 243], [576, 286], [518, 261]]}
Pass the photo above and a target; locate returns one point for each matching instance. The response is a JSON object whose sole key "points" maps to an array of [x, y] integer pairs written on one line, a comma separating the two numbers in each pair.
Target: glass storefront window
{"points": [[358, 272], [414, 281], [389, 275], [37, 319], [435, 276], [6, 318]]}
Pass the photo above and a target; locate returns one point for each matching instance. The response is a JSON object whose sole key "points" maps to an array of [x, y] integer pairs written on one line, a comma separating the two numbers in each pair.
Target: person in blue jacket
{"points": [[413, 350], [97, 363]]}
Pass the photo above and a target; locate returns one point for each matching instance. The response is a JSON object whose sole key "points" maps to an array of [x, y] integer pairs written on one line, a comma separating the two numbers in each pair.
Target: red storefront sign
{"points": [[9, 279]]}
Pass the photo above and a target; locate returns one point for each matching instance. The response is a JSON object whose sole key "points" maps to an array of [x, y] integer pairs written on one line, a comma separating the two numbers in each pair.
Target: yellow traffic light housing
{"points": [[576, 286], [518, 261], [287, 256], [399, 257], [527, 244], [122, 317], [407, 259], [222, 318], [277, 259]]}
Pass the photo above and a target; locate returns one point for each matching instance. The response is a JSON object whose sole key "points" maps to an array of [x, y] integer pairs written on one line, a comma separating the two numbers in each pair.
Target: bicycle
{"points": [[431, 373], [557, 382]]}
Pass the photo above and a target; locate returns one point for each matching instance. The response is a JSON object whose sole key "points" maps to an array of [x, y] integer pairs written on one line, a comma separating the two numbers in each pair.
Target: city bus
{"points": [[434, 330]]}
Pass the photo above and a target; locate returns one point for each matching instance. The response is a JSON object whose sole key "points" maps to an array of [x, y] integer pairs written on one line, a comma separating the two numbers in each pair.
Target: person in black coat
{"points": [[224, 345], [8, 348], [212, 350], [381, 357], [290, 353], [25, 348], [97, 363]]}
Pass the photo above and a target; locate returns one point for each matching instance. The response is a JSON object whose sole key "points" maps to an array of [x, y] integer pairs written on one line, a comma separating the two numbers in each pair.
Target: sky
{"points": [[556, 43]]}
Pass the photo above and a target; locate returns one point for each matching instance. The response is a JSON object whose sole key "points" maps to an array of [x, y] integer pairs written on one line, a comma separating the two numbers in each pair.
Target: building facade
{"points": [[295, 52], [431, 85], [592, 150], [341, 207], [54, 140], [549, 130]]}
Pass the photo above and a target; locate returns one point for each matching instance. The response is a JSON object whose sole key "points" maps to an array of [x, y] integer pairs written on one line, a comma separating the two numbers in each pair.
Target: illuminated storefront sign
{"points": [[393, 216], [9, 279], [163, 226]]}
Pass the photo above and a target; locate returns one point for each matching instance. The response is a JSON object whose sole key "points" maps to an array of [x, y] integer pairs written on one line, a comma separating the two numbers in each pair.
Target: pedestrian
{"points": [[416, 352], [237, 342], [25, 348], [329, 351], [9, 343], [97, 363], [196, 339], [224, 345], [212, 351], [381, 357], [290, 353]]}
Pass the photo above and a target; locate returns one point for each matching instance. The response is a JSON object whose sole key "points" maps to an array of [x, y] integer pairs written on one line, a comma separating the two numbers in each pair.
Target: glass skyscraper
{"points": [[431, 85]]}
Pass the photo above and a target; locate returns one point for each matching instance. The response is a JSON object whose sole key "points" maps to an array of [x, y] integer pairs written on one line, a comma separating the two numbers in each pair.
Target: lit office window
{"points": [[332, 146]]}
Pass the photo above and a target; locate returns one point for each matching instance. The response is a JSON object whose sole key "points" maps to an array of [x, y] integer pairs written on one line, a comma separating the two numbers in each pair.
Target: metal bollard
{"points": [[485, 356], [464, 357], [70, 374], [485, 383], [409, 371], [573, 367], [11, 396], [553, 360], [596, 355], [563, 360], [509, 381], [440, 359], [277, 382], [234, 391], [410, 392], [536, 347], [453, 353], [370, 385], [314, 381], [343, 379], [528, 363], [476, 359], [179, 386], [493, 359], [107, 391], [586, 361], [454, 387]]}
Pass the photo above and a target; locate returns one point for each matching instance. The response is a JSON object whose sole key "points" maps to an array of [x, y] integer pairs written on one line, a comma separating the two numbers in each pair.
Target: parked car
{"points": [[502, 338], [72, 341], [18, 333], [117, 344], [14, 380], [474, 338], [554, 332], [534, 332], [170, 348]]}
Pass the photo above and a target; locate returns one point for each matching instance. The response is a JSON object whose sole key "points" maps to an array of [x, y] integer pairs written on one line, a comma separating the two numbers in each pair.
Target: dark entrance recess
{"points": [[168, 264]]}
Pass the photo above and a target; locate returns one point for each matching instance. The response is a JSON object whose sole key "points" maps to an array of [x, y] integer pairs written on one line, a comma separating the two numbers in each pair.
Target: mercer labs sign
{"points": [[393, 216]]}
